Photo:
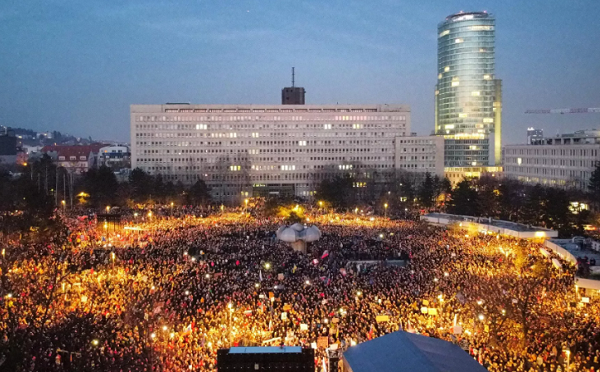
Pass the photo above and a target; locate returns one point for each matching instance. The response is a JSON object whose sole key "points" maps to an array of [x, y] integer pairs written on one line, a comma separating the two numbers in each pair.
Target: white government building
{"points": [[246, 150], [565, 161]]}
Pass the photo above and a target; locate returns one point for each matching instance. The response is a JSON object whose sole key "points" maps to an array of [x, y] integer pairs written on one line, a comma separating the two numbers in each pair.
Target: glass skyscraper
{"points": [[468, 97]]}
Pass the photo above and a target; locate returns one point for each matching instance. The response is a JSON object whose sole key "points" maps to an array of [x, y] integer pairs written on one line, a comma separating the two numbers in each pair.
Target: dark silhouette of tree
{"points": [[488, 196], [199, 194], [101, 184], [557, 213], [427, 191], [464, 200], [510, 199], [141, 185], [594, 186], [337, 192], [532, 212]]}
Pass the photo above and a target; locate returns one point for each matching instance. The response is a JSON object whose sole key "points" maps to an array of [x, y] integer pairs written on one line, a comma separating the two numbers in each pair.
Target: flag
{"points": [[325, 254], [260, 275]]}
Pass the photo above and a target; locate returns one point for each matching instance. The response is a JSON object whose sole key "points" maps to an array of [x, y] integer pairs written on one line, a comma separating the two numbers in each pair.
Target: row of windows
{"points": [[581, 163], [272, 110], [257, 135], [170, 118], [534, 150]]}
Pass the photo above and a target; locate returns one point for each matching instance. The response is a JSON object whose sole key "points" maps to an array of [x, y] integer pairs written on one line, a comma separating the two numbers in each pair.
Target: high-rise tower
{"points": [[468, 97]]}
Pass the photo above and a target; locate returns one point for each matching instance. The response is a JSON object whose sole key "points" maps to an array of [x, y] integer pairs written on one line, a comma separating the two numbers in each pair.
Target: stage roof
{"points": [[403, 352]]}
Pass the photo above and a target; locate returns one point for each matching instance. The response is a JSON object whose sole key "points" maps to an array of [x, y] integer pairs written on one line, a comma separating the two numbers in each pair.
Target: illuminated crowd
{"points": [[171, 288]]}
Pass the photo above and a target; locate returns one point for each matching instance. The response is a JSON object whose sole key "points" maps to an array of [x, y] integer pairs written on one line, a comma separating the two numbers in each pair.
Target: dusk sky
{"points": [[76, 66]]}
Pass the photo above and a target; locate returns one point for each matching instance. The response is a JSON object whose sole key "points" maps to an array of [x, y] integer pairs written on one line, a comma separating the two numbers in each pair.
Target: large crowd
{"points": [[170, 289]]}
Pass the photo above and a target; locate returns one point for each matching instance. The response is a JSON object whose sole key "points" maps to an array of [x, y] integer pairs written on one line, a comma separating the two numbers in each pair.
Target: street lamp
{"points": [[108, 209], [246, 202], [385, 206], [267, 266]]}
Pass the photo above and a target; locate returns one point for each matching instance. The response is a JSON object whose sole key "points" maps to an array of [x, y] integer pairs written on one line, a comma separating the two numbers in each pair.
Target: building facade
{"points": [[245, 150], [468, 97], [420, 154], [565, 161], [115, 156], [76, 159]]}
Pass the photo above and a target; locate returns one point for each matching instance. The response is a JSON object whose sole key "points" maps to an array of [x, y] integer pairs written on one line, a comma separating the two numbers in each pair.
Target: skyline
{"points": [[77, 67]]}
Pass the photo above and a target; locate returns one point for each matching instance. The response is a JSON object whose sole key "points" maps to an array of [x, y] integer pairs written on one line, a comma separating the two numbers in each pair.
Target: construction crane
{"points": [[565, 111]]}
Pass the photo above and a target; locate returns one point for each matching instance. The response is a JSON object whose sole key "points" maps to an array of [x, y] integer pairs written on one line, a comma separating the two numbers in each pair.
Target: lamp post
{"points": [[385, 207], [246, 202], [230, 306], [108, 209]]}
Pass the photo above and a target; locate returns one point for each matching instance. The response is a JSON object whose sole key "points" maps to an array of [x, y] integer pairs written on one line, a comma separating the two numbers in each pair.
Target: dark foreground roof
{"points": [[403, 352]]}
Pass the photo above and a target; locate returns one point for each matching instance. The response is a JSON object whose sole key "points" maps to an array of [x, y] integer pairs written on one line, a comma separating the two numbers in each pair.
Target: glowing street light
{"points": [[165, 328], [107, 208], [95, 342], [481, 317], [152, 335], [267, 266], [149, 214], [385, 206]]}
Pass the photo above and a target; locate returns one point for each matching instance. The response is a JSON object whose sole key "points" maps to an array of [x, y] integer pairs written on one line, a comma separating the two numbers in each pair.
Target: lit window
{"points": [[201, 126], [235, 168], [458, 41], [440, 76], [301, 143], [447, 68], [455, 83], [482, 28], [326, 126], [255, 134], [444, 33], [488, 120], [476, 93], [519, 161], [487, 77], [463, 115]]}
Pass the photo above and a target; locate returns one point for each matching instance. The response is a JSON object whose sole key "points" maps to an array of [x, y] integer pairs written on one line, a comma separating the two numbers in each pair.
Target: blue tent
{"points": [[404, 352]]}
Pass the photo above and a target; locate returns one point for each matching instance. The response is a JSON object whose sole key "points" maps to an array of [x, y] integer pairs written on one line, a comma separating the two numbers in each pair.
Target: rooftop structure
{"points": [[285, 358]]}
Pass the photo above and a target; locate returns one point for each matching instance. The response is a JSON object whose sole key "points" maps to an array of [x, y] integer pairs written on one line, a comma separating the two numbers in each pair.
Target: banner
{"points": [[323, 341], [382, 318]]}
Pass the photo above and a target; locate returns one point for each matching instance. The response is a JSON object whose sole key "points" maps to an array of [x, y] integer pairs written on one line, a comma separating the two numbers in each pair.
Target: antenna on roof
{"points": [[293, 77]]}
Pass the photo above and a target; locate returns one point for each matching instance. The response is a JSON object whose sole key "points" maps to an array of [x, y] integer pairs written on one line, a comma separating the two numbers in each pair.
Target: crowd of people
{"points": [[166, 291]]}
